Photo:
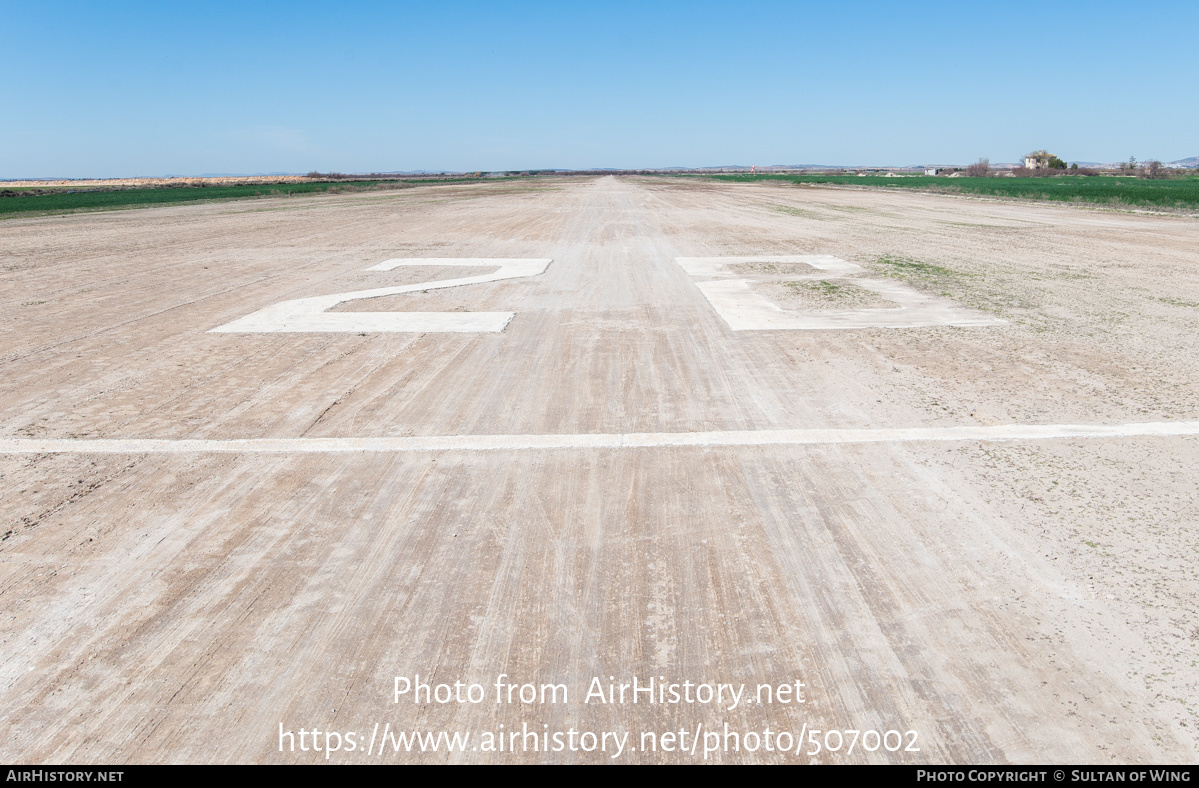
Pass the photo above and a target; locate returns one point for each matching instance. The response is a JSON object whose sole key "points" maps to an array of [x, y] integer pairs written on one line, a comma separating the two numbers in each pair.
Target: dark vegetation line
{"points": [[25, 199], [1175, 193], [1117, 191]]}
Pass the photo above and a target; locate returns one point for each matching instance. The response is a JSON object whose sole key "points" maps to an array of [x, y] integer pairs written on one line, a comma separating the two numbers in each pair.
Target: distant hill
{"points": [[1191, 162]]}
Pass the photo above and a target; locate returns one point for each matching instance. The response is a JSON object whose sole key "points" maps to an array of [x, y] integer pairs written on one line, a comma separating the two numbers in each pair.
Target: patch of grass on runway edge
{"points": [[907, 268], [17, 200], [975, 290], [1111, 190], [933, 279], [1178, 302], [787, 209]]}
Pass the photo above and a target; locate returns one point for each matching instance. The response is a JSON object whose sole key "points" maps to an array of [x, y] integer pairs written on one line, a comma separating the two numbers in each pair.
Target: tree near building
{"points": [[1152, 169], [979, 169]]}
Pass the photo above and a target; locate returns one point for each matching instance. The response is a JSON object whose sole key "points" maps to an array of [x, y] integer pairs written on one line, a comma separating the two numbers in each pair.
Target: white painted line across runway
{"points": [[631, 440]]}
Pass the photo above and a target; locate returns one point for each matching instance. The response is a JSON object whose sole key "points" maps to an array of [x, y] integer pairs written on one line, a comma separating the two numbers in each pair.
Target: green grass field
{"points": [[23, 200], [1116, 191], [1177, 193]]}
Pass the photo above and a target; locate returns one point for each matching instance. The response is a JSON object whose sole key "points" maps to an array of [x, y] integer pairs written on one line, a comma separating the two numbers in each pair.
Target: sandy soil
{"points": [[1030, 601]]}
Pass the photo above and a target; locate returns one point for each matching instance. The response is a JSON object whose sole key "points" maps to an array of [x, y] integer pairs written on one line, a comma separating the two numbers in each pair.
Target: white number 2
{"points": [[311, 315]]}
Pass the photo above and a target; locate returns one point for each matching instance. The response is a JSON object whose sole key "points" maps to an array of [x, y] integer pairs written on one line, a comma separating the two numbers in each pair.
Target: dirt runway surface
{"points": [[1019, 601]]}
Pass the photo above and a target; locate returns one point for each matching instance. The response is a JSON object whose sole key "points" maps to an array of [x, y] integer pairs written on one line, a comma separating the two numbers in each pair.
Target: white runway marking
{"points": [[309, 315], [631, 440], [745, 310]]}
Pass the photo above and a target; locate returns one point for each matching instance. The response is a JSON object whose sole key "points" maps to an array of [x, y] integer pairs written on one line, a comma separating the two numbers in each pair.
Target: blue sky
{"points": [[95, 89]]}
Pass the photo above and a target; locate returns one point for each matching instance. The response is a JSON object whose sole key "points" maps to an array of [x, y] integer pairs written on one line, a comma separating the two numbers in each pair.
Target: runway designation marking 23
{"points": [[746, 310], [311, 315]]}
